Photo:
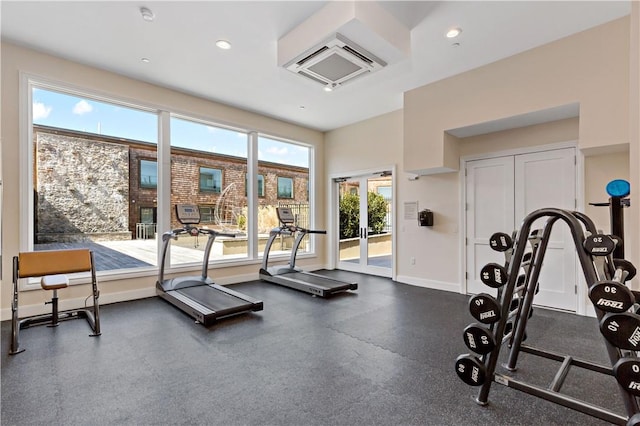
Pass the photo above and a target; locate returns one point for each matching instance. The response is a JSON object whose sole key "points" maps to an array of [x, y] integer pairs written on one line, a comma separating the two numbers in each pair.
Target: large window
{"points": [[201, 154], [100, 180], [87, 188], [210, 180], [285, 167], [148, 174]]}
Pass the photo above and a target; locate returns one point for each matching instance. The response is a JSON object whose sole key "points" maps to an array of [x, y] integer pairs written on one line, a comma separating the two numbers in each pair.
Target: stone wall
{"points": [[82, 188]]}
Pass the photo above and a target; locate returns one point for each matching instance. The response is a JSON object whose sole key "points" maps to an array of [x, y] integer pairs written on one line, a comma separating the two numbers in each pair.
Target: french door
{"points": [[365, 223], [500, 192]]}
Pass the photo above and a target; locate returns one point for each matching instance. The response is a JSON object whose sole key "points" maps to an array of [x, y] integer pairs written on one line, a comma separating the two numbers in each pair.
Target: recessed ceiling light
{"points": [[145, 60], [147, 14], [329, 87], [223, 44], [454, 32], [301, 106]]}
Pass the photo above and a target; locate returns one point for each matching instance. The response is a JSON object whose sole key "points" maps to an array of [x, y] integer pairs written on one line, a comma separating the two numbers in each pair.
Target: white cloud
{"points": [[82, 107], [278, 151], [40, 111]]}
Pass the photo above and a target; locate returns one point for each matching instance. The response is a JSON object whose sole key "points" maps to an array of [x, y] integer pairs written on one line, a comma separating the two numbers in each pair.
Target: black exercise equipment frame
{"points": [[174, 290], [575, 222], [292, 276]]}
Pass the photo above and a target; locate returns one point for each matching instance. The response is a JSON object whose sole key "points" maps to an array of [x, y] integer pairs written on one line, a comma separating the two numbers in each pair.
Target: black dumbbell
{"points": [[485, 308], [500, 241], [478, 339], [611, 296], [599, 245], [622, 330], [626, 268], [471, 370], [627, 373], [494, 275]]}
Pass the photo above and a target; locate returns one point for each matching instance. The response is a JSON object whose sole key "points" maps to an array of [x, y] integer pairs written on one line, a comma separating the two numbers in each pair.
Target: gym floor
{"points": [[383, 355]]}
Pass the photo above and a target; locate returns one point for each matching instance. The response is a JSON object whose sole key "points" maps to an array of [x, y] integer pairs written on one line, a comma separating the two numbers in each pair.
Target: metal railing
{"points": [[146, 231], [300, 212]]}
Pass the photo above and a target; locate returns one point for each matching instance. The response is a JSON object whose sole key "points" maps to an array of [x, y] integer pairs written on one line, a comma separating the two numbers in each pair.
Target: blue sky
{"points": [[87, 115]]}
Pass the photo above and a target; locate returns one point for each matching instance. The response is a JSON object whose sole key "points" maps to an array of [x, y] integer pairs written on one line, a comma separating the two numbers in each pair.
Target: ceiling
{"points": [[180, 46]]}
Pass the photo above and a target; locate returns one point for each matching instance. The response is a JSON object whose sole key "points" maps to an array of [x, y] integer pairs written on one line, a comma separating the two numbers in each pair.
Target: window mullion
{"points": [[252, 195], [164, 179]]}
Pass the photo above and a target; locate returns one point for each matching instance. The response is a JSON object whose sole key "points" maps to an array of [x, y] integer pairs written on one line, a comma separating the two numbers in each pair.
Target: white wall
{"points": [[438, 249]]}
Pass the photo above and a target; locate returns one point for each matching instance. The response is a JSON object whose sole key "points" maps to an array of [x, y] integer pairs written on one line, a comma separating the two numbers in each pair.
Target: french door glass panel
{"points": [[365, 225]]}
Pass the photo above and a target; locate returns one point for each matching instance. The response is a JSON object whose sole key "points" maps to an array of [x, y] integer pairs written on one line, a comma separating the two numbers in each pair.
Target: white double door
{"points": [[500, 192]]}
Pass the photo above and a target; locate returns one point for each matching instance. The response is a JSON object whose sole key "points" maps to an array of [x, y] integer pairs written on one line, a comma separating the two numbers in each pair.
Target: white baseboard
{"points": [[436, 285]]}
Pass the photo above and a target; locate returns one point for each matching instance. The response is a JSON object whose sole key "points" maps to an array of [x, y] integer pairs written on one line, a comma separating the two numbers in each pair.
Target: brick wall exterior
{"points": [[185, 172]]}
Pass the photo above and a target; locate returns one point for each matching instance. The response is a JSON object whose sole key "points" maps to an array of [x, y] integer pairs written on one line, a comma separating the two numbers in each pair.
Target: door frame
{"points": [[332, 212], [582, 308]]}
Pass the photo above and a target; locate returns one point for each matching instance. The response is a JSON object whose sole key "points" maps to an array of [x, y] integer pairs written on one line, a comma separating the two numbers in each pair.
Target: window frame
{"points": [[140, 184], [292, 195], [212, 190], [29, 82]]}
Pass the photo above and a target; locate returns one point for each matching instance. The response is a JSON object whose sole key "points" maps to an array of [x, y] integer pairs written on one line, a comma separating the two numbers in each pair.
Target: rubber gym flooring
{"points": [[381, 356]]}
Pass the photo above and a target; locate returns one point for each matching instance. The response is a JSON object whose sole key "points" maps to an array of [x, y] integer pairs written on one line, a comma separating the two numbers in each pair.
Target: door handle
{"points": [[360, 233]]}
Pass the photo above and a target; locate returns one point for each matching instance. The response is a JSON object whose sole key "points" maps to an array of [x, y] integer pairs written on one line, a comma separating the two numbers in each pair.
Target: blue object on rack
{"points": [[618, 188]]}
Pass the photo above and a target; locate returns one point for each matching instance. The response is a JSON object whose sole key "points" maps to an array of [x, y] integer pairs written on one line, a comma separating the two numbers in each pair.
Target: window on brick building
{"points": [[285, 187], [206, 214], [148, 215], [260, 185], [210, 180], [148, 174]]}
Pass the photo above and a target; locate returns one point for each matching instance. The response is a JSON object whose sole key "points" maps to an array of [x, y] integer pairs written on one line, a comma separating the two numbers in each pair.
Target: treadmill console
{"points": [[188, 214], [285, 215]]}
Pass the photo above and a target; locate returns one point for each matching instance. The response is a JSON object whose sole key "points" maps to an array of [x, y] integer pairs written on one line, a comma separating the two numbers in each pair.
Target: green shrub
{"points": [[377, 212], [350, 214]]}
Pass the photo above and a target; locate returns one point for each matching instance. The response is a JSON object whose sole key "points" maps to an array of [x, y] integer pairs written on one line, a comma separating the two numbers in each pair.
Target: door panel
{"points": [[349, 224], [547, 179], [500, 192], [489, 209]]}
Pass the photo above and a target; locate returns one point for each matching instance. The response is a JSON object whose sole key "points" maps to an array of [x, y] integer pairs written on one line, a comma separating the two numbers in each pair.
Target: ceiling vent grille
{"points": [[335, 62]]}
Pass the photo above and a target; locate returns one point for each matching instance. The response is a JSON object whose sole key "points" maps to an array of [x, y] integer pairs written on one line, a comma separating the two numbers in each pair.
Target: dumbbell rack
{"points": [[488, 342]]}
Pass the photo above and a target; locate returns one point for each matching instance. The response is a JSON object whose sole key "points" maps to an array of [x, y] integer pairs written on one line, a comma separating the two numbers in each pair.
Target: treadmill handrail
{"points": [[187, 229], [287, 229]]}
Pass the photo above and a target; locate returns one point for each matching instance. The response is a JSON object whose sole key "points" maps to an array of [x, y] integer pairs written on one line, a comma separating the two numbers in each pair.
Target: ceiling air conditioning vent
{"points": [[335, 62]]}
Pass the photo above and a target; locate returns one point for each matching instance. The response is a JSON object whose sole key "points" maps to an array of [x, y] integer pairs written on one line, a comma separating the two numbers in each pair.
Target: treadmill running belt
{"points": [[213, 299], [315, 280]]}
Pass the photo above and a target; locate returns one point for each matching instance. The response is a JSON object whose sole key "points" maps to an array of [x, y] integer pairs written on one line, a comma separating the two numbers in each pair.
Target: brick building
{"points": [[90, 186]]}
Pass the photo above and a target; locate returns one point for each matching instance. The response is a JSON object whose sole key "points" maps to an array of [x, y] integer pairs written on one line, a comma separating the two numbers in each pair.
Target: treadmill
{"points": [[292, 276], [199, 296]]}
